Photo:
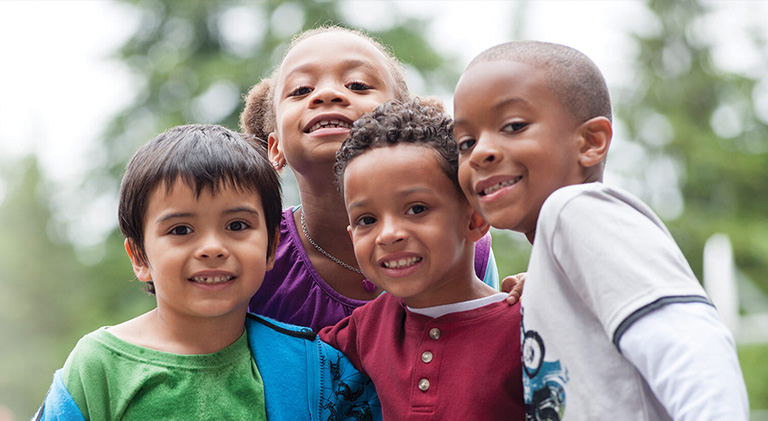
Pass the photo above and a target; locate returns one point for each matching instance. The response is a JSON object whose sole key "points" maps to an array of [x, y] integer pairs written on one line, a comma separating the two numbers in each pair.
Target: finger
{"points": [[508, 284], [513, 298]]}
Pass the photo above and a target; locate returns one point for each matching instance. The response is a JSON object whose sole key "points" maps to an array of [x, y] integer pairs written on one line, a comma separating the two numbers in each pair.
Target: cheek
{"points": [[376, 100], [464, 178], [363, 245]]}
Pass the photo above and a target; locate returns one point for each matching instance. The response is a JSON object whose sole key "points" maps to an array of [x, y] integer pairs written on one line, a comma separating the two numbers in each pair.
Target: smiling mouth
{"points": [[492, 189], [211, 279], [329, 124], [402, 263]]}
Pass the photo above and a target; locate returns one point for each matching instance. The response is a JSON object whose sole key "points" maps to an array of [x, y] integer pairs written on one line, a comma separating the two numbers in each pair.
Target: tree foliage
{"points": [[698, 129], [49, 298]]}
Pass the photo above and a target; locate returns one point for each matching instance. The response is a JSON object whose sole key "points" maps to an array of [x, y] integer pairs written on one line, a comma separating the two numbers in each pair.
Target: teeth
{"points": [[212, 279], [500, 186], [401, 263], [323, 124]]}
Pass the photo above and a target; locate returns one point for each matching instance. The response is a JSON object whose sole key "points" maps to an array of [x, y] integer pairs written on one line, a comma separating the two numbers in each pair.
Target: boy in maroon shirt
{"points": [[440, 344]]}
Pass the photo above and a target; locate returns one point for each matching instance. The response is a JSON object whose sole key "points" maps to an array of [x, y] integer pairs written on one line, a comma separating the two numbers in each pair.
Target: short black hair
{"points": [[571, 75], [204, 156], [397, 122]]}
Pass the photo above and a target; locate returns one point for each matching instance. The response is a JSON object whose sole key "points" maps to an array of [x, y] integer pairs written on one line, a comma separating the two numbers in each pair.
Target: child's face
{"points": [[325, 83], [408, 224], [517, 143], [206, 255]]}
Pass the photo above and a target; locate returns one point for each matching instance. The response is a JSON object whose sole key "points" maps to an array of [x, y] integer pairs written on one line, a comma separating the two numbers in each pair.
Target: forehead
{"points": [[502, 82], [403, 166], [335, 48], [183, 191]]}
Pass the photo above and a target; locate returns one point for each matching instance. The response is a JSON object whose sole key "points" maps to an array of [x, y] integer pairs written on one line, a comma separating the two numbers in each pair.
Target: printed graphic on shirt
{"points": [[543, 381], [354, 395]]}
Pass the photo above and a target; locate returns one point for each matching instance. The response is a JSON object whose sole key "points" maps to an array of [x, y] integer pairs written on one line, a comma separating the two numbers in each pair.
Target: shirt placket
{"points": [[427, 367]]}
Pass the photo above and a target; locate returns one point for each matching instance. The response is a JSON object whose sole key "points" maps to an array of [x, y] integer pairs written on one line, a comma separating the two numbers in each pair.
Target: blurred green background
{"points": [[688, 79]]}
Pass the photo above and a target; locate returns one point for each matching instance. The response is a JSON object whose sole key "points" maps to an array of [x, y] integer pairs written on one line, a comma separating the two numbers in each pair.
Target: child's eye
{"points": [[416, 209], [180, 230], [238, 226], [365, 221], [514, 127], [301, 90], [466, 144], [358, 86]]}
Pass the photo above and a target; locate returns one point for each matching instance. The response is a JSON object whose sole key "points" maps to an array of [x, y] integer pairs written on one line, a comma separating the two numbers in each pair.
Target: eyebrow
{"points": [[238, 209], [403, 193], [348, 64], [500, 104]]}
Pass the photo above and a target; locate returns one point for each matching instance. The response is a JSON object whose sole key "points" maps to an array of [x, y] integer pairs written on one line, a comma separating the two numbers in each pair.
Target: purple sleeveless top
{"points": [[293, 292]]}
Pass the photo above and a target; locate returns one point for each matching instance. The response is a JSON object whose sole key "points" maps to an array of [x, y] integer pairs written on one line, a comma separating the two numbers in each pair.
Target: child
{"points": [[435, 343], [199, 208], [615, 325], [328, 78]]}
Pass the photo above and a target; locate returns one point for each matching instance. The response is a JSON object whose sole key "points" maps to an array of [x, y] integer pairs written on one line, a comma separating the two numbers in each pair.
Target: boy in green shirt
{"points": [[200, 207]]}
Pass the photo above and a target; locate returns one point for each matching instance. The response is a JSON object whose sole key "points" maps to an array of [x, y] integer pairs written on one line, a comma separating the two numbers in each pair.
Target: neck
{"points": [[187, 335], [460, 284], [326, 217]]}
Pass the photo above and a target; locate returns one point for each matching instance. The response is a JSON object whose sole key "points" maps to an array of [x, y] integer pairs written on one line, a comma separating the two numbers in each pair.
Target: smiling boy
{"points": [[433, 343], [200, 208], [615, 324]]}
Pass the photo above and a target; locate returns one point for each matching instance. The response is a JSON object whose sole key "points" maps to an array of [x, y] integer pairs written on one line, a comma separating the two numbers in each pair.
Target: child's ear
{"points": [[275, 151], [596, 134], [273, 251], [478, 226], [140, 269]]}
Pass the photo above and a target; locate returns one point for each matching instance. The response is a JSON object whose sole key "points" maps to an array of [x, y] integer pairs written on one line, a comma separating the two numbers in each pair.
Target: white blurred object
{"points": [[720, 279]]}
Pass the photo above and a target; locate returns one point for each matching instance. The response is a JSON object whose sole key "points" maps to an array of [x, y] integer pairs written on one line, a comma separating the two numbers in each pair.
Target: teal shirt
{"points": [[109, 378]]}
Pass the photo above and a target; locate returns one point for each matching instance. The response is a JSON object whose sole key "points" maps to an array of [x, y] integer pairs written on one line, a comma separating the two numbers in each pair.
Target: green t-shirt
{"points": [[113, 379]]}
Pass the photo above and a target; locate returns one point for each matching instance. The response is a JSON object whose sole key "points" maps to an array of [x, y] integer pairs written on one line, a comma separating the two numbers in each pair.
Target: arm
{"points": [[346, 393], [688, 358], [58, 404], [343, 336]]}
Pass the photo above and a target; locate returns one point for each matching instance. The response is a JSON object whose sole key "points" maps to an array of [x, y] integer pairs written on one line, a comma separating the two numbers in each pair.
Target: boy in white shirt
{"points": [[615, 325]]}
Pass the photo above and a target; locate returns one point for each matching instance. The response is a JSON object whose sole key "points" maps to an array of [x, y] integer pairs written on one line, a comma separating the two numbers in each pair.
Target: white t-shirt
{"points": [[601, 260]]}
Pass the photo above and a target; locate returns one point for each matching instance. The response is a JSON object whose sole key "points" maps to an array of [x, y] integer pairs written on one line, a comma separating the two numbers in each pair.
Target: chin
{"points": [[503, 222]]}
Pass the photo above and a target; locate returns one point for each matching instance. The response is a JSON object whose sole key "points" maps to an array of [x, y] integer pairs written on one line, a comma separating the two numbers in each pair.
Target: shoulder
{"points": [[593, 204], [594, 195], [87, 350], [385, 305], [260, 325], [504, 313], [381, 313], [589, 192]]}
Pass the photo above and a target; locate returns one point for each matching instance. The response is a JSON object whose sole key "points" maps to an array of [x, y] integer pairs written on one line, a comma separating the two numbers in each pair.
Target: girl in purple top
{"points": [[328, 78]]}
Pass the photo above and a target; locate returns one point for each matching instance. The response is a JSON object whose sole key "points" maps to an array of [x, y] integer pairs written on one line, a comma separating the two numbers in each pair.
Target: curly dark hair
{"points": [[396, 122]]}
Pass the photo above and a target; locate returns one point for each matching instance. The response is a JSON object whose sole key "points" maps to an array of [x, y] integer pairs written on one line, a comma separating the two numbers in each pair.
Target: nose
{"points": [[329, 93], [212, 247], [390, 232], [485, 152]]}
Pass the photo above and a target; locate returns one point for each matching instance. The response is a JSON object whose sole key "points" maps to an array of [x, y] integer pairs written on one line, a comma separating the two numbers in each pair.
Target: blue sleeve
{"points": [[307, 379], [59, 404], [492, 272], [349, 394]]}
